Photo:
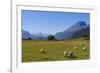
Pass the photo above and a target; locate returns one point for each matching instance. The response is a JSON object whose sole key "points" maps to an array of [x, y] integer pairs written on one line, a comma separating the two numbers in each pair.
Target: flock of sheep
{"points": [[69, 54]]}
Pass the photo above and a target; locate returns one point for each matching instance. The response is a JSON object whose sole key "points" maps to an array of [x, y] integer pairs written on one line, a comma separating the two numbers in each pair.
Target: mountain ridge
{"points": [[75, 31]]}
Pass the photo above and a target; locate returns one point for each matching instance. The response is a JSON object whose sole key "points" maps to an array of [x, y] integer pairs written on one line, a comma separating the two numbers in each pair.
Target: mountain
{"points": [[75, 31], [78, 30], [40, 36], [37, 36], [26, 35]]}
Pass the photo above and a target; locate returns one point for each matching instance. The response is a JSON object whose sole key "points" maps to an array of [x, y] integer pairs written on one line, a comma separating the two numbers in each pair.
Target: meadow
{"points": [[54, 50]]}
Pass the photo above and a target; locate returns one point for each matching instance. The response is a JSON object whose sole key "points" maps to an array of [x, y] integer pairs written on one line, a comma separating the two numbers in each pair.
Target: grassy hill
{"points": [[55, 49]]}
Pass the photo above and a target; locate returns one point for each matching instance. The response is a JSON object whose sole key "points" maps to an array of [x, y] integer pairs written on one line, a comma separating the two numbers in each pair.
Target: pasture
{"points": [[54, 50]]}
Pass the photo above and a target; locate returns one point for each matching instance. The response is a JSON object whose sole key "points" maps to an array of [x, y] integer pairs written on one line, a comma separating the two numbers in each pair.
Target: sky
{"points": [[50, 22]]}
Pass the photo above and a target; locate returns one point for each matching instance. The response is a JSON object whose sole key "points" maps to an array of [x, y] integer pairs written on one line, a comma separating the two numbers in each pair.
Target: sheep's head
{"points": [[65, 53]]}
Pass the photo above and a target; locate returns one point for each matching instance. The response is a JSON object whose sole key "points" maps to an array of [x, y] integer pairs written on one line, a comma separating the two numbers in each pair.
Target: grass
{"points": [[55, 49]]}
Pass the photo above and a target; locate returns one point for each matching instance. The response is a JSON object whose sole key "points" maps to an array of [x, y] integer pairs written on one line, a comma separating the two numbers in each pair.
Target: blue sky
{"points": [[51, 22]]}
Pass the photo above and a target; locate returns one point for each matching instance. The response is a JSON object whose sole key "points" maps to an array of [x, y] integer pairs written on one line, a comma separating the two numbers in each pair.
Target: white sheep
{"points": [[65, 53], [75, 47], [82, 44], [43, 51], [84, 48], [71, 54]]}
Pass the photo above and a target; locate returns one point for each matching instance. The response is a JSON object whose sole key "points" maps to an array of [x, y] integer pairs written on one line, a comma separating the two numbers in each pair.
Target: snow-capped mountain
{"points": [[37, 36], [40, 36]]}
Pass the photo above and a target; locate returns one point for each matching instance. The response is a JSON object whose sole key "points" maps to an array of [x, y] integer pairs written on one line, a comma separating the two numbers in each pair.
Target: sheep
{"points": [[75, 47], [71, 54], [43, 51], [84, 48], [82, 44], [65, 53]]}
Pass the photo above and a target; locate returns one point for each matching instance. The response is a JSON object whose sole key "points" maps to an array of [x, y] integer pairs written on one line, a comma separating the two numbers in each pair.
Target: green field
{"points": [[54, 50]]}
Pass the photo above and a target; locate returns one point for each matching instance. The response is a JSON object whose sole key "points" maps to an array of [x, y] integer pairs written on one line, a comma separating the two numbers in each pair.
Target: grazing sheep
{"points": [[75, 47], [84, 48], [71, 54], [65, 53], [82, 44], [43, 51]]}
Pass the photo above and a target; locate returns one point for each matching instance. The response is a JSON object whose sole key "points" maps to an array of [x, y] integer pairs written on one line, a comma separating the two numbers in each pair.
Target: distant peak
{"points": [[81, 23]]}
